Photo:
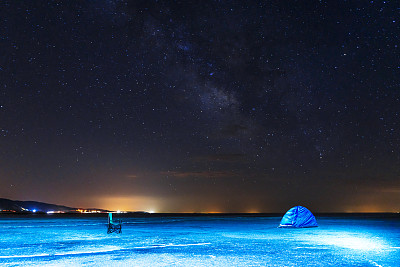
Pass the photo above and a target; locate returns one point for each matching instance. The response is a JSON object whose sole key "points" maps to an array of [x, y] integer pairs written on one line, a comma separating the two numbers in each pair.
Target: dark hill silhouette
{"points": [[22, 206]]}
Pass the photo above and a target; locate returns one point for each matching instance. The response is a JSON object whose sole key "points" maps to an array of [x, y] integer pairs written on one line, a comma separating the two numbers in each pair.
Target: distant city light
{"points": [[88, 211], [34, 210]]}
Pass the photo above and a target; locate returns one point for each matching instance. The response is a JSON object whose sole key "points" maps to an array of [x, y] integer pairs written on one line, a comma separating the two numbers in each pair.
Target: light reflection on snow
{"points": [[356, 243]]}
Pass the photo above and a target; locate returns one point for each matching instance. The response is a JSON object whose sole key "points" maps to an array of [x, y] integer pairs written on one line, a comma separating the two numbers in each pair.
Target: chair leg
{"points": [[114, 228]]}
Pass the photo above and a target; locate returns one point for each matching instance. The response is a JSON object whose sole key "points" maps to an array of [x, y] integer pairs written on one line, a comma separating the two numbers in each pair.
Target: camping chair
{"points": [[113, 226]]}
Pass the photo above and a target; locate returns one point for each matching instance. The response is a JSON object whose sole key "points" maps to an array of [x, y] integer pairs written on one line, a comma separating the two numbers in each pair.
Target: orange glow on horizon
{"points": [[252, 211], [367, 209], [124, 204], [180, 205]]}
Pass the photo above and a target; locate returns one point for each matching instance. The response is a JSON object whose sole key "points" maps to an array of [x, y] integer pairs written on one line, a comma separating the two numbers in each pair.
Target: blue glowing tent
{"points": [[298, 217]]}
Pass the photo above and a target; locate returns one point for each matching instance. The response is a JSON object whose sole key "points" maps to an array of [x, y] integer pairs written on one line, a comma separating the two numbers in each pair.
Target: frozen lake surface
{"points": [[197, 241]]}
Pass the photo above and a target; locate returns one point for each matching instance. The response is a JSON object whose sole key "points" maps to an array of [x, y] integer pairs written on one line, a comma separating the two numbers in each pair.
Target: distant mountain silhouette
{"points": [[23, 206]]}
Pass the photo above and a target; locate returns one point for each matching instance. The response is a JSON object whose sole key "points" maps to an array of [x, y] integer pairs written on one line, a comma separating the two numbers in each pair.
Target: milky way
{"points": [[201, 106]]}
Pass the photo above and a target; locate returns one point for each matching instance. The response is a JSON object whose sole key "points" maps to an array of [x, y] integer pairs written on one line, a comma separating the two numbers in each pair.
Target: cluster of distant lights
{"points": [[84, 211], [78, 211], [88, 211]]}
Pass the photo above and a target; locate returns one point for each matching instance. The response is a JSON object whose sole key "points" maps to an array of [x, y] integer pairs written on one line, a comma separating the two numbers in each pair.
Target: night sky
{"points": [[201, 106]]}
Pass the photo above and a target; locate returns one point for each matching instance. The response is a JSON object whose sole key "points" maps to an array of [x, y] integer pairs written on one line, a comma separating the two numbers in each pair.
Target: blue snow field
{"points": [[197, 241]]}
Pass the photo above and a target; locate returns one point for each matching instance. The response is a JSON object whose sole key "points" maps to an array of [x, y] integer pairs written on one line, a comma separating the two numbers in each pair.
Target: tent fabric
{"points": [[298, 217]]}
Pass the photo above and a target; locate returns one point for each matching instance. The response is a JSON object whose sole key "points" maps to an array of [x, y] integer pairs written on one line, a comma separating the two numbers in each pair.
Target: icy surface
{"points": [[198, 241]]}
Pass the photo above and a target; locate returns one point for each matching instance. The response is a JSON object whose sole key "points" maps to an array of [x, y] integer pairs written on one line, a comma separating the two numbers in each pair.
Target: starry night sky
{"points": [[201, 106]]}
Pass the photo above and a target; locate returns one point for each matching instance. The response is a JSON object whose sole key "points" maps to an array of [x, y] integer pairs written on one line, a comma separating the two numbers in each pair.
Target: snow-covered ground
{"points": [[197, 241]]}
